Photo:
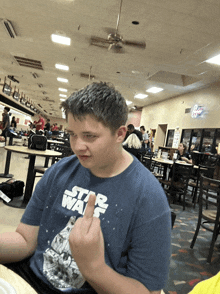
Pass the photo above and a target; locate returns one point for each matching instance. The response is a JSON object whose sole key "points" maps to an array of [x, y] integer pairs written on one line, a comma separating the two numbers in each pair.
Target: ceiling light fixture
{"points": [[154, 90], [214, 60], [128, 102], [62, 80], [61, 66], [140, 96], [60, 39], [62, 89], [61, 99], [62, 95]]}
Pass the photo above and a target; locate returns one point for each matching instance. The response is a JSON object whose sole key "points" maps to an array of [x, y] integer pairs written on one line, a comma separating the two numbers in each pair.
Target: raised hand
{"points": [[86, 241]]}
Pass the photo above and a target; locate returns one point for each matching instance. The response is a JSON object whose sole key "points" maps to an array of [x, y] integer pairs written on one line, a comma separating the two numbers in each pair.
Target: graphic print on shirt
{"points": [[59, 267]]}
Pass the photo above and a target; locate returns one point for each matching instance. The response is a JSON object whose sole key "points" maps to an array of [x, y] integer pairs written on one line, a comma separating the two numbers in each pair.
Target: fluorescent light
{"points": [[214, 60], [140, 96], [62, 90], [154, 90], [62, 95], [61, 99], [128, 102], [60, 39], [62, 80], [61, 66]]}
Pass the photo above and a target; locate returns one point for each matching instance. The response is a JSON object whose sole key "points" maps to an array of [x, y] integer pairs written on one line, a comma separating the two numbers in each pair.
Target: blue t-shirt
{"points": [[135, 221]]}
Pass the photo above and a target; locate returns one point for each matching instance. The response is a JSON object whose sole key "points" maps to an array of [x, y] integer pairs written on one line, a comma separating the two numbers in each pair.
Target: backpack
{"points": [[37, 142], [12, 188]]}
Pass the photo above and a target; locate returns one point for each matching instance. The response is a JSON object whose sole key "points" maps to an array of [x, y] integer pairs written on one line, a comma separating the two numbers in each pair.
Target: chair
{"points": [[157, 169], [179, 182], [65, 150], [194, 182], [147, 160], [209, 191]]}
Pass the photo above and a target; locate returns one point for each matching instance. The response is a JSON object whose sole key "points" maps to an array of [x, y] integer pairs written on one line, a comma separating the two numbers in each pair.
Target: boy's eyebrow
{"points": [[84, 133]]}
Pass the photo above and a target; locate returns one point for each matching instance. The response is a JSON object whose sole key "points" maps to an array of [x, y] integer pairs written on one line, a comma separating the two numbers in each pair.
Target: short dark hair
{"points": [[7, 108], [130, 127], [100, 100], [142, 127]]}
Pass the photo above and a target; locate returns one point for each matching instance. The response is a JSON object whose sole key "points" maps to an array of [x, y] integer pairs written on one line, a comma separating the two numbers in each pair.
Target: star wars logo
{"points": [[76, 200]]}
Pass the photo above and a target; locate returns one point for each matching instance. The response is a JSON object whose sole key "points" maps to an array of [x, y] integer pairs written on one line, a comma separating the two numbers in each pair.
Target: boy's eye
{"points": [[90, 136]]}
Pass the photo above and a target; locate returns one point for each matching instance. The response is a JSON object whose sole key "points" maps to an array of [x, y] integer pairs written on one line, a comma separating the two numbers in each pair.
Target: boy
{"points": [[98, 221]]}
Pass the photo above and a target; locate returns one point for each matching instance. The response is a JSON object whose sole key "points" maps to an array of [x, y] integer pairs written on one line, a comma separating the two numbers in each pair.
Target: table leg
{"points": [[22, 203], [7, 164], [46, 162]]}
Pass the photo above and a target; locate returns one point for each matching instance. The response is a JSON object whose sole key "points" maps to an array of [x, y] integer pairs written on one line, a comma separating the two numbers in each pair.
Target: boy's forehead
{"points": [[87, 122]]}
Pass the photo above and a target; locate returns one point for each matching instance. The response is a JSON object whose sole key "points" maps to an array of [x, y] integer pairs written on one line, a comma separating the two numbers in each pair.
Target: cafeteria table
{"points": [[168, 163], [30, 174], [19, 284]]}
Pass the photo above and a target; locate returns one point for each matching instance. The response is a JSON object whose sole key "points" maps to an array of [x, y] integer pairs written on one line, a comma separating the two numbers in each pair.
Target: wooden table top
{"points": [[19, 284], [168, 161], [26, 150]]}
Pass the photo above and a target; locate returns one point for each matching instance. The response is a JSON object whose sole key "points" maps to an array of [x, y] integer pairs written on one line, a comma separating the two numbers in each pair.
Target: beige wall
{"points": [[134, 118], [172, 111]]}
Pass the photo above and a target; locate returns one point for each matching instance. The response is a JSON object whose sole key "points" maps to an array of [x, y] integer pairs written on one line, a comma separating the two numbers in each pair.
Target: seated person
{"points": [[98, 221], [132, 144], [183, 155]]}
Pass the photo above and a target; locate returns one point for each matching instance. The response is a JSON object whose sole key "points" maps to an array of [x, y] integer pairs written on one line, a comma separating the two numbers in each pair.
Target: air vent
{"points": [[48, 99], [28, 62], [9, 28], [87, 76], [44, 93], [40, 85], [187, 110], [39, 105], [45, 111]]}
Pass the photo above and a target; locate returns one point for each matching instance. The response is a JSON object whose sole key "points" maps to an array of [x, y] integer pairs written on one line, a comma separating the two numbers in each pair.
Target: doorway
{"points": [[160, 136]]}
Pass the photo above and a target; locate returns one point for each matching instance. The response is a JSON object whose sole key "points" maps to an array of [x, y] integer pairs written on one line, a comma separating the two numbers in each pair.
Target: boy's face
{"points": [[93, 143]]}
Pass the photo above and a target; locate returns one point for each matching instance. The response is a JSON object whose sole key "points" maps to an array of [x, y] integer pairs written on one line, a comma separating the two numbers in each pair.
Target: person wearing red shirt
{"points": [[55, 127], [40, 123]]}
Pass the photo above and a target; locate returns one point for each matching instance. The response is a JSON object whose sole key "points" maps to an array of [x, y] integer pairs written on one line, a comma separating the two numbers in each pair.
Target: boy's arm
{"points": [[87, 247], [15, 246]]}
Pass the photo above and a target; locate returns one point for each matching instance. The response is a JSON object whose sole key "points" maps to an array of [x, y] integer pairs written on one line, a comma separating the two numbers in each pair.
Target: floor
{"points": [[188, 266]]}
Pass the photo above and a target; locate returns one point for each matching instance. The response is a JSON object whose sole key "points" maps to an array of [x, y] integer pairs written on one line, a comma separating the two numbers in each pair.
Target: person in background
{"points": [[54, 127], [47, 125], [131, 130], [98, 221], [145, 138], [13, 123], [133, 145], [40, 124], [183, 155], [6, 123]]}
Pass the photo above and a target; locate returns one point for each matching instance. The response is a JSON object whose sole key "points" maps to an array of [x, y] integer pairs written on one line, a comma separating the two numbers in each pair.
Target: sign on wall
{"points": [[197, 111], [176, 139]]}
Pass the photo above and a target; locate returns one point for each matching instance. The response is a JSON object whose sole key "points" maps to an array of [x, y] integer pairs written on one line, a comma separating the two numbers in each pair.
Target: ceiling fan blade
{"points": [[116, 48], [95, 39], [141, 45]]}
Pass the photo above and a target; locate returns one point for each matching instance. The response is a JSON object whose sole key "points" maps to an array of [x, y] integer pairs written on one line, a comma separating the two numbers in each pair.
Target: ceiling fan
{"points": [[115, 41]]}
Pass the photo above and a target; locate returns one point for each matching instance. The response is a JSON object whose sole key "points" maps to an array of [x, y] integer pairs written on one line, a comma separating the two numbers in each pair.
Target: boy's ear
{"points": [[121, 132]]}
